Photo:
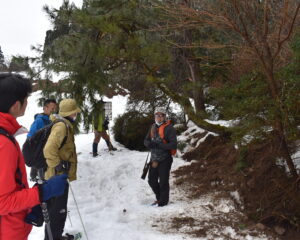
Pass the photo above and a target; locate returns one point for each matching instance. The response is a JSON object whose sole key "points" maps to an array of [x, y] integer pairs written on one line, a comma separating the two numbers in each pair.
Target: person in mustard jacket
{"points": [[60, 154]]}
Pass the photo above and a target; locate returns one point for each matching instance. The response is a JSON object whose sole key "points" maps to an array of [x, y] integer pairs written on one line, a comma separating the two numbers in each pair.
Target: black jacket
{"points": [[161, 151]]}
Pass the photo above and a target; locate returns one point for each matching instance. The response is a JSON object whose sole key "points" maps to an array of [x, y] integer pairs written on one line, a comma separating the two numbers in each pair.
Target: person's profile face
{"points": [[50, 108], [23, 107]]}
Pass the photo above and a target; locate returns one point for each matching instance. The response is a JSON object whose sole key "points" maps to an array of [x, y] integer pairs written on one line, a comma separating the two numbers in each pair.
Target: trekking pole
{"points": [[146, 168], [47, 220], [78, 210], [69, 217], [44, 207]]}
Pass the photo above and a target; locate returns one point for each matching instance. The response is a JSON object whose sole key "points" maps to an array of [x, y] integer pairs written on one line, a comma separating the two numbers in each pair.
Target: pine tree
{"points": [[2, 61]]}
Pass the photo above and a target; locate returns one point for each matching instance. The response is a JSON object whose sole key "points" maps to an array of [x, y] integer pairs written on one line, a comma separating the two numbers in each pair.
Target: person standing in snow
{"points": [[100, 123], [61, 157], [40, 121], [16, 198], [162, 141]]}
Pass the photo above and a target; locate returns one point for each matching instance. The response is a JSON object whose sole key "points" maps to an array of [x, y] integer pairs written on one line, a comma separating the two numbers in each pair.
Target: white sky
{"points": [[23, 23]]}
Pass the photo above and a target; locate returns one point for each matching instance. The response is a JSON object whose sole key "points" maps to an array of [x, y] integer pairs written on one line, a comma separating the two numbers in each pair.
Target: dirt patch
{"points": [[266, 194]]}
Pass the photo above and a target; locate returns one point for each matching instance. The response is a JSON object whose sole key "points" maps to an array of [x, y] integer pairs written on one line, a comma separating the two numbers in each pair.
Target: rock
{"points": [[260, 226], [279, 230]]}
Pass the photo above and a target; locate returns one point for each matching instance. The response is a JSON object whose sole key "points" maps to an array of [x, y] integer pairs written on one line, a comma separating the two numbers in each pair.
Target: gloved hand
{"points": [[53, 187], [153, 144], [154, 164], [35, 217]]}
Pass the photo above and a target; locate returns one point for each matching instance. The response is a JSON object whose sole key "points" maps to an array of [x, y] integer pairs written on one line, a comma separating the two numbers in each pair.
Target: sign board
{"points": [[108, 110]]}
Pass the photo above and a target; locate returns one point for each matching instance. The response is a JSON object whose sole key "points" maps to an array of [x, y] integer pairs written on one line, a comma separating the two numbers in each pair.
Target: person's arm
{"points": [[36, 125], [51, 149], [171, 139], [11, 200]]}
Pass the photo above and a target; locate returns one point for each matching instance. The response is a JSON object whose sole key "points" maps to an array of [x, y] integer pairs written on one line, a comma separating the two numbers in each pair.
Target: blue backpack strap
{"points": [[18, 171]]}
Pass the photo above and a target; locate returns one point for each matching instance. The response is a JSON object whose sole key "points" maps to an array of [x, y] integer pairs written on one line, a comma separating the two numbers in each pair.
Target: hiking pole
{"points": [[78, 210], [146, 168], [47, 220], [69, 217], [44, 207]]}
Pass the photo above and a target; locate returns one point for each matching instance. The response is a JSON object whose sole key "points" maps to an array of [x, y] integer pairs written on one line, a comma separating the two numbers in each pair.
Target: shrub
{"points": [[131, 128]]}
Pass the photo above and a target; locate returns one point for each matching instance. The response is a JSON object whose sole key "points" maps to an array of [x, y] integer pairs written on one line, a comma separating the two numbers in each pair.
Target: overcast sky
{"points": [[23, 23]]}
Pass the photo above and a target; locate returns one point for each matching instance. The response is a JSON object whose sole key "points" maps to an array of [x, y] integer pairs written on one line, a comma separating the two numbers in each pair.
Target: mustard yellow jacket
{"points": [[54, 155]]}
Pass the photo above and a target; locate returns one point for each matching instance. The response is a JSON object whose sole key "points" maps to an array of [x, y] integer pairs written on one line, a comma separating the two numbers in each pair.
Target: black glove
{"points": [[105, 124], [35, 217], [153, 144]]}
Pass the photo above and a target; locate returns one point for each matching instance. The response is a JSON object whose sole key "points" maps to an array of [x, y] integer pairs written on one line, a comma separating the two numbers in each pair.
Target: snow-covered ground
{"points": [[114, 201]]}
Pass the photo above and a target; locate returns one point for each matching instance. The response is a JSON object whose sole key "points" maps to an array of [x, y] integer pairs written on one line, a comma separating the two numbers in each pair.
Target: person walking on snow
{"points": [[40, 121], [16, 198], [162, 142], [100, 124], [61, 157]]}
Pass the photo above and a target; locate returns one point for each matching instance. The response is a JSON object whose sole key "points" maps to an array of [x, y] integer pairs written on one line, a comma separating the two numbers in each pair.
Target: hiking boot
{"points": [[156, 203], [112, 148], [95, 154], [67, 237], [162, 204]]}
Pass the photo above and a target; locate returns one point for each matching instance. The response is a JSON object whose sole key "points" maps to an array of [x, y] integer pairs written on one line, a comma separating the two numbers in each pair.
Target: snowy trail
{"points": [[114, 201], [112, 198]]}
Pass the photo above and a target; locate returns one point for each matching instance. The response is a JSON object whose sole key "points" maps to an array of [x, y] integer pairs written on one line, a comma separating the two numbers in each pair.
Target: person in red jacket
{"points": [[16, 198]]}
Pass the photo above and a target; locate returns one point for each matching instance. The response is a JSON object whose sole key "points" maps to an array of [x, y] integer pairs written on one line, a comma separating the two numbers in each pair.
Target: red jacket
{"points": [[15, 200]]}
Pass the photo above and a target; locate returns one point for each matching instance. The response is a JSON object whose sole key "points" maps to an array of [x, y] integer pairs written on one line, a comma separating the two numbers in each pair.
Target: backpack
{"points": [[18, 171], [33, 147]]}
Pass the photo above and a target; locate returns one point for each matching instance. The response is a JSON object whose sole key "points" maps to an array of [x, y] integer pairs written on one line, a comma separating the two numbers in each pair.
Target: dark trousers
{"points": [[57, 208], [158, 180]]}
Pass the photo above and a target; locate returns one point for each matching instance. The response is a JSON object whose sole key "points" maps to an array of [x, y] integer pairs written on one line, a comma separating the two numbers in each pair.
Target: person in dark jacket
{"points": [[40, 121], [100, 123], [16, 198], [162, 141]]}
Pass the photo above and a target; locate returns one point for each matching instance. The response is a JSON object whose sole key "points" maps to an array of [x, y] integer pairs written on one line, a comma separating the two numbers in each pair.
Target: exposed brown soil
{"points": [[268, 195]]}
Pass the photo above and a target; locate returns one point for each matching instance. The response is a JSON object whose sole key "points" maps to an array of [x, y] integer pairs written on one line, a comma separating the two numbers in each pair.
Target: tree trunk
{"points": [[278, 125], [197, 90]]}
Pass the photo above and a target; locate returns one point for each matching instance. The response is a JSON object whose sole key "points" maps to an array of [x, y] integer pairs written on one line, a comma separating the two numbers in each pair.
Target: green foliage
{"points": [[290, 95], [2, 60], [19, 64], [131, 128], [248, 103], [137, 47]]}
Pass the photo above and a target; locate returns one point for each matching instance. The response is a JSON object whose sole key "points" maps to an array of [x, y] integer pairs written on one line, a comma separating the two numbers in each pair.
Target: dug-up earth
{"points": [[233, 193]]}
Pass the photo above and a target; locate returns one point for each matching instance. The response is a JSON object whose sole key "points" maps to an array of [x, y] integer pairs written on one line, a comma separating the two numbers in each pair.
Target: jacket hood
{"points": [[54, 117], [9, 123], [42, 116]]}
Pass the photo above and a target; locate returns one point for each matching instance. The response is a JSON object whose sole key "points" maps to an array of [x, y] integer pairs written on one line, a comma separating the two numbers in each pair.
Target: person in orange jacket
{"points": [[16, 198], [162, 142]]}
